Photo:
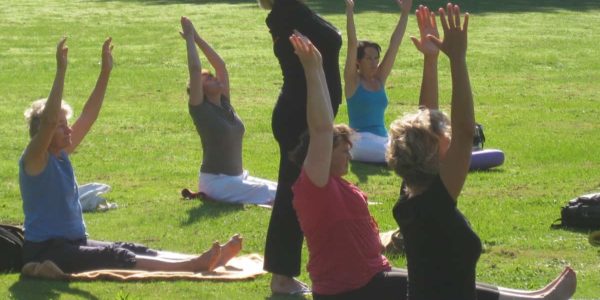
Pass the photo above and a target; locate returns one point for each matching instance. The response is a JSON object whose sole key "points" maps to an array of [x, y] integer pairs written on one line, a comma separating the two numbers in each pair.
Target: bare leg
{"points": [[229, 250], [205, 262], [563, 287], [281, 284]]}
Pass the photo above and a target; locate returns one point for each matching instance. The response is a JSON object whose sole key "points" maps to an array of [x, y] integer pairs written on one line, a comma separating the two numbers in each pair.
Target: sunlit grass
{"points": [[534, 69]]}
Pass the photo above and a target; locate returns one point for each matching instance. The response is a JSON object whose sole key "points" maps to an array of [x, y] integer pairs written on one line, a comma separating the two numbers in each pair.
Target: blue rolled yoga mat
{"points": [[486, 158]]}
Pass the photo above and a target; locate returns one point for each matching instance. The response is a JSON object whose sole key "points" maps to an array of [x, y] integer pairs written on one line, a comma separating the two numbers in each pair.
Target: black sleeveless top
{"points": [[285, 16], [441, 248]]}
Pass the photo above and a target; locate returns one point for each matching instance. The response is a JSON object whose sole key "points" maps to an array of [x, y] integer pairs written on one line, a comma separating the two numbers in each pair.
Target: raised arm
{"points": [[385, 67], [194, 66], [351, 76], [215, 61], [92, 107], [429, 84], [36, 153], [455, 165], [319, 114]]}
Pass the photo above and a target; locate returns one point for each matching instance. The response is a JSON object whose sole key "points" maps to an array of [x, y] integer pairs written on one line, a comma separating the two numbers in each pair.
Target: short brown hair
{"points": [[413, 152], [362, 45], [341, 133]]}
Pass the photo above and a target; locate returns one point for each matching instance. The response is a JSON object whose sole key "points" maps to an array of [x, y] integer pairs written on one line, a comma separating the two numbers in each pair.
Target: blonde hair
{"points": [[33, 114], [265, 4], [413, 152]]}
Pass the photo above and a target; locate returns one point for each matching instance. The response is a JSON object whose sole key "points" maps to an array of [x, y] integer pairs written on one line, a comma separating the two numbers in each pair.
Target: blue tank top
{"points": [[51, 201], [366, 110]]}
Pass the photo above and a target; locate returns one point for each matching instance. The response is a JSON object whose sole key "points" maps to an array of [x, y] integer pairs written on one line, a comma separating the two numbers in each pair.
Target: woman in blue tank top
{"points": [[365, 77], [54, 226]]}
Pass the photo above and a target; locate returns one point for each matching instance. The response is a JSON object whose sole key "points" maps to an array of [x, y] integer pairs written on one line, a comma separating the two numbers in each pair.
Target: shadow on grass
{"points": [[287, 297], [473, 6], [207, 209], [31, 289], [364, 170], [169, 2], [488, 171]]}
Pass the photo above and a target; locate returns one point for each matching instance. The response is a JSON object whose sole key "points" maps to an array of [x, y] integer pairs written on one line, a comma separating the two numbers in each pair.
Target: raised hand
{"points": [[349, 5], [427, 26], [107, 59], [188, 30], [404, 5], [455, 37], [61, 54], [308, 54]]}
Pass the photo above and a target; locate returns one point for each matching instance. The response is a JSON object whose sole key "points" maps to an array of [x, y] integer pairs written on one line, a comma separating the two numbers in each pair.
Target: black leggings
{"points": [[73, 256], [283, 249], [392, 285], [384, 285]]}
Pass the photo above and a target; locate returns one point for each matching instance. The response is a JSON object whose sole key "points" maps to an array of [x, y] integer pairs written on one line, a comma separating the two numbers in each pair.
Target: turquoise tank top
{"points": [[366, 110], [51, 201]]}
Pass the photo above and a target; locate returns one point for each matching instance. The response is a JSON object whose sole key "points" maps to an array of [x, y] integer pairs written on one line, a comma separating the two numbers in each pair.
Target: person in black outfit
{"points": [[283, 247], [441, 248]]}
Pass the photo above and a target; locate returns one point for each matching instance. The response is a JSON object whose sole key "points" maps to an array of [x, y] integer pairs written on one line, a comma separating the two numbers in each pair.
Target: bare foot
{"points": [[564, 288], [207, 261], [281, 284], [230, 249]]}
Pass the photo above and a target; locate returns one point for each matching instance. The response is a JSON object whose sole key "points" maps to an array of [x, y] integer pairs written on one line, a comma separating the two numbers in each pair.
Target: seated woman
{"points": [[345, 260], [54, 226], [431, 154], [221, 130], [365, 79]]}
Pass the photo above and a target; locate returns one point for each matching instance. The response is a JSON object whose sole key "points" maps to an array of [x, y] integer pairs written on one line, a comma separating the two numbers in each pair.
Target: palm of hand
{"points": [[426, 45], [310, 58]]}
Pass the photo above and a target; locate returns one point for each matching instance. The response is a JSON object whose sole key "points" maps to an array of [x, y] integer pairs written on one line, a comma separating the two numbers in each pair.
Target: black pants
{"points": [[84, 255], [393, 285], [384, 285], [283, 249]]}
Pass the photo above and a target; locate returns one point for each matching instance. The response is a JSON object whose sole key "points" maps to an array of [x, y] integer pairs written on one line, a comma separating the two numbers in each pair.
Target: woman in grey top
{"points": [[222, 176]]}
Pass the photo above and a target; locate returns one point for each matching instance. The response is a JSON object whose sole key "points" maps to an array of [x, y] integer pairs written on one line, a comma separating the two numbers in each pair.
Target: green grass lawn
{"points": [[534, 69]]}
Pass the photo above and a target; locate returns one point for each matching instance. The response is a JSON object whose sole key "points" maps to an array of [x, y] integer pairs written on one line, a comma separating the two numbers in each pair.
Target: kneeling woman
{"points": [[221, 130], [345, 260], [54, 226]]}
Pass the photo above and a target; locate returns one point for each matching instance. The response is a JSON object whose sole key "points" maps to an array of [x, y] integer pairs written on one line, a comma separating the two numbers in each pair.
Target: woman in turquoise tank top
{"points": [[365, 77]]}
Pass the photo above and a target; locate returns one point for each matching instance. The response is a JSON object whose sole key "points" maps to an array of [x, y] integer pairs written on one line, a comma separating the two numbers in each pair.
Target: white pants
{"points": [[237, 189], [369, 147]]}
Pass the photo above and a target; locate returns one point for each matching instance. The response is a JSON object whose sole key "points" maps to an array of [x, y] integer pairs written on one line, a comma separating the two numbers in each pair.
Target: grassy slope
{"points": [[534, 74]]}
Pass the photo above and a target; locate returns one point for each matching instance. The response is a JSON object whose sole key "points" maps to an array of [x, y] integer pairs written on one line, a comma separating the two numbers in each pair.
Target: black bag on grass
{"points": [[11, 247], [582, 212], [479, 137]]}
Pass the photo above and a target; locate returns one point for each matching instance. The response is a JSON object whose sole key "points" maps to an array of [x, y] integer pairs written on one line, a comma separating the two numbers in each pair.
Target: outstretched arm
{"points": [[429, 84], [92, 107], [215, 61], [350, 69], [194, 66], [385, 67], [36, 153], [319, 114], [455, 165]]}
